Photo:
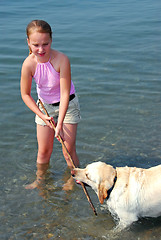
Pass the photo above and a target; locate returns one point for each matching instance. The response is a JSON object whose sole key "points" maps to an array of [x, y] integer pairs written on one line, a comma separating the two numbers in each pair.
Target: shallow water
{"points": [[114, 49]]}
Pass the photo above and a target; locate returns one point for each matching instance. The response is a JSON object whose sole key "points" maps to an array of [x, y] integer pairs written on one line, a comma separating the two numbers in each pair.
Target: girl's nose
{"points": [[41, 49]]}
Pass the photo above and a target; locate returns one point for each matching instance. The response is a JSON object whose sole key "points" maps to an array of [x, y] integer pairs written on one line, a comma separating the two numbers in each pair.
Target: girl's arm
{"points": [[65, 85], [26, 83]]}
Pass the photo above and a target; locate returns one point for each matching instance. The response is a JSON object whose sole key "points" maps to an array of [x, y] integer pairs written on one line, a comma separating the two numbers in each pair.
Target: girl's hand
{"points": [[59, 132], [47, 120]]}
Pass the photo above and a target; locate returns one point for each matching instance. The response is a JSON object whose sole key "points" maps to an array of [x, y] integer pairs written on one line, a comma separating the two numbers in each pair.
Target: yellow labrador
{"points": [[130, 192]]}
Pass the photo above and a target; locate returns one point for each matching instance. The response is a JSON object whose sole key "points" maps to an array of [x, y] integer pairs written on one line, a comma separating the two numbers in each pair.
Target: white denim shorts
{"points": [[72, 115]]}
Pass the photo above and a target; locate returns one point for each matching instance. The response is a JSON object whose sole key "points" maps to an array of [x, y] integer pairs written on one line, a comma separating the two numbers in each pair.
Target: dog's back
{"points": [[132, 192], [137, 193]]}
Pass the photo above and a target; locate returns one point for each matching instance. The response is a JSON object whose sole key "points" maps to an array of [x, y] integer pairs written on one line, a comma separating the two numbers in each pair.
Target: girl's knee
{"points": [[44, 155]]}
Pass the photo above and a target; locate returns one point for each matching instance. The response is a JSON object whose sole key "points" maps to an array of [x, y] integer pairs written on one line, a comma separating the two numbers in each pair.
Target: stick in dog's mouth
{"points": [[77, 181]]}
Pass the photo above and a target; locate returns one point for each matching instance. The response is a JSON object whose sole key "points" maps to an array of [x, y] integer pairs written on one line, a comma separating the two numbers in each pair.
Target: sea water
{"points": [[115, 52]]}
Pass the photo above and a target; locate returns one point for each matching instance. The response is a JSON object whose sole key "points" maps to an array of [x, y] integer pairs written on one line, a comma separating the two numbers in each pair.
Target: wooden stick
{"points": [[63, 144]]}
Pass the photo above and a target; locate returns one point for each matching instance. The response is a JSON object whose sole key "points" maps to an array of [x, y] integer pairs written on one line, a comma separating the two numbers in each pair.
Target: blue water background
{"points": [[115, 53]]}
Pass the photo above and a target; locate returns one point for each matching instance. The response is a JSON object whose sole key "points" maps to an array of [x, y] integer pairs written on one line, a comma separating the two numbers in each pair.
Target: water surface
{"points": [[114, 48]]}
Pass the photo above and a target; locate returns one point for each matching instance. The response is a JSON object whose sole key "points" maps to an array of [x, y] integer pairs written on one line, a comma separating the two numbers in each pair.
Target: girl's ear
{"points": [[28, 42]]}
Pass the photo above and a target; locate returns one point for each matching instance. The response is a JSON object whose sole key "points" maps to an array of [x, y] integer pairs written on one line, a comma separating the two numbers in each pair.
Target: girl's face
{"points": [[40, 44]]}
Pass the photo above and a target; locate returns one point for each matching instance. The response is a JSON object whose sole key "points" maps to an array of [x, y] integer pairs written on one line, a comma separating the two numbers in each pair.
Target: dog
{"points": [[130, 192]]}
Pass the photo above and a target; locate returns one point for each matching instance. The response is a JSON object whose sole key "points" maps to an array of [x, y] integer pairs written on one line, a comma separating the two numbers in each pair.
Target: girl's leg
{"points": [[40, 176], [45, 138], [70, 131]]}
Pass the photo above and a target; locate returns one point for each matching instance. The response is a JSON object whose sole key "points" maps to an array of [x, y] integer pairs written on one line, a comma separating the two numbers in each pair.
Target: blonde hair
{"points": [[39, 26]]}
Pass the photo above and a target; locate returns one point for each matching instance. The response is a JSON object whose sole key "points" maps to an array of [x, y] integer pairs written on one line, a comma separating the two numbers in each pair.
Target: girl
{"points": [[51, 71]]}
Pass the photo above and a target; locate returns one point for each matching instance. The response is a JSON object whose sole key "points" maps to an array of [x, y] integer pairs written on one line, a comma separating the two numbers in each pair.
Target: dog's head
{"points": [[98, 175]]}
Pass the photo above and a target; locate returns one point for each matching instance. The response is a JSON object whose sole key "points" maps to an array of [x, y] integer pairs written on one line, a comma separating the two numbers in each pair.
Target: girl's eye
{"points": [[37, 45]]}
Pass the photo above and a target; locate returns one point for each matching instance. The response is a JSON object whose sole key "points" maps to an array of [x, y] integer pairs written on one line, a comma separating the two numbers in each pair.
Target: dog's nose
{"points": [[73, 173]]}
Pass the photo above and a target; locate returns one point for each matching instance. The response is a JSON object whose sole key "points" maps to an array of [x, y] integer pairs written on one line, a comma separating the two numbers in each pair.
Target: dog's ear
{"points": [[102, 192]]}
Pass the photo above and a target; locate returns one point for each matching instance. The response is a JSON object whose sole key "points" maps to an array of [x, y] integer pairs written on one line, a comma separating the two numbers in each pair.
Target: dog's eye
{"points": [[87, 176]]}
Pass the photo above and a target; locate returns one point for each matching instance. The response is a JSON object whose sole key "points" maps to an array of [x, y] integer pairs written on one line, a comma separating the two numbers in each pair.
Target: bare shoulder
{"points": [[60, 55], [29, 65], [60, 60]]}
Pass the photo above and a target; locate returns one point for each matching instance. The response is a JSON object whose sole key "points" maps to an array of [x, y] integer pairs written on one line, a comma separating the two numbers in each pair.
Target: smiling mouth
{"points": [[41, 54]]}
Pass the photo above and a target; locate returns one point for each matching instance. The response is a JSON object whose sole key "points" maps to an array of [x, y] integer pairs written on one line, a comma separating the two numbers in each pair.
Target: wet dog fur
{"points": [[133, 192]]}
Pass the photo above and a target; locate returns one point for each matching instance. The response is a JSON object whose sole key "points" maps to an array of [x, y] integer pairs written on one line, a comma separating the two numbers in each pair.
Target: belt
{"points": [[70, 98]]}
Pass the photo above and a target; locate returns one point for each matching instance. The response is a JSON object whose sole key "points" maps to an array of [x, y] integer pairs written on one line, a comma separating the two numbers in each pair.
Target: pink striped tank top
{"points": [[48, 83]]}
